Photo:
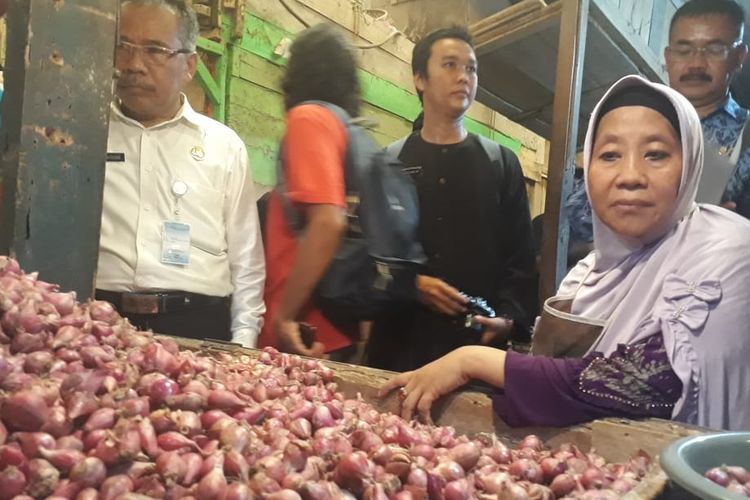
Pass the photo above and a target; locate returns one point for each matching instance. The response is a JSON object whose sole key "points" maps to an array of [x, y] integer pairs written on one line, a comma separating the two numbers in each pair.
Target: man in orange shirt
{"points": [[321, 67]]}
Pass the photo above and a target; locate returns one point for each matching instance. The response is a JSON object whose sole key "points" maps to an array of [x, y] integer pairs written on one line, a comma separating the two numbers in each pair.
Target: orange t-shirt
{"points": [[315, 145]]}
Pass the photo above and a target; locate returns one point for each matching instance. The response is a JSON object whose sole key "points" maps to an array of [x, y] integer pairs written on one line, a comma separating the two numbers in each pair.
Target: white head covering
{"points": [[692, 285]]}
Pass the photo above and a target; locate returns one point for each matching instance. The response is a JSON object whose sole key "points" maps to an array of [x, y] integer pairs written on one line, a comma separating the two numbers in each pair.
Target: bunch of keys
{"points": [[477, 306]]}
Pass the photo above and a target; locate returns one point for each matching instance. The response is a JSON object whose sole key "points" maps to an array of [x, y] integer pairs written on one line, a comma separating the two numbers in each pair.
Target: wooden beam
{"points": [[566, 108], [506, 15], [210, 46], [58, 90], [507, 30], [214, 93]]}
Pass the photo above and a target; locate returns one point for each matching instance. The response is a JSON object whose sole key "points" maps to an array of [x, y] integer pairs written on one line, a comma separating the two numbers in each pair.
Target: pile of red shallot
{"points": [[92, 408], [732, 477]]}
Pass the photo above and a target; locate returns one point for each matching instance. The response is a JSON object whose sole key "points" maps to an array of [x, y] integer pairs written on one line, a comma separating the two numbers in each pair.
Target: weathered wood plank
{"points": [[391, 62], [257, 115], [513, 30]]}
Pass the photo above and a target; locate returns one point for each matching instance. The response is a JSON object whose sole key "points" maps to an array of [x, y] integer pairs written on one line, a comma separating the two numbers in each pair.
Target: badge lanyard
{"points": [[179, 189], [175, 245]]}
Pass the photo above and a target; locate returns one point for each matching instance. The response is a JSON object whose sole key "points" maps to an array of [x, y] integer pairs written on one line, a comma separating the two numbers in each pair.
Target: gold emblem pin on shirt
{"points": [[197, 153]]}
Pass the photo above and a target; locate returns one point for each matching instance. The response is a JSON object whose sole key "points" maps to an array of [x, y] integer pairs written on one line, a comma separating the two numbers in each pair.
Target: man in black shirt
{"points": [[474, 219]]}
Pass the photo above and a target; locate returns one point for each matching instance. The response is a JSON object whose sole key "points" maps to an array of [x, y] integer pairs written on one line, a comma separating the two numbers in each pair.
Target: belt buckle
{"points": [[142, 303]]}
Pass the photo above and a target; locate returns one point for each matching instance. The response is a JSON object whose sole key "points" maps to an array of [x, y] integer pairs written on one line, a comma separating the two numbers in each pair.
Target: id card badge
{"points": [[175, 243]]}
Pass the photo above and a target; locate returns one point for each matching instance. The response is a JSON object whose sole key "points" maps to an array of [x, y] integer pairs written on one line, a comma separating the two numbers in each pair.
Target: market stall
{"points": [[93, 408]]}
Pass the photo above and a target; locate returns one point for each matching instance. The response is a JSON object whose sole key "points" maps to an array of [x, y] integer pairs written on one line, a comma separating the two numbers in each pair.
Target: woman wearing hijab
{"points": [[654, 322]]}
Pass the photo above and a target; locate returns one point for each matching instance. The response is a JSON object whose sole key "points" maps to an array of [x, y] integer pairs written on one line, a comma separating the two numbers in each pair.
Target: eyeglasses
{"points": [[712, 51], [155, 55]]}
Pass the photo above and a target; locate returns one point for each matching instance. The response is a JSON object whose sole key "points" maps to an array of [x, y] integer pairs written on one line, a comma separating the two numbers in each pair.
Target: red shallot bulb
{"points": [[12, 482], [42, 478], [719, 475], [161, 390], [593, 478], [240, 491], [740, 474], [213, 484], [563, 484], [526, 470], [466, 455], [63, 459], [531, 441], [114, 487], [89, 473], [353, 470], [551, 468], [24, 411]]}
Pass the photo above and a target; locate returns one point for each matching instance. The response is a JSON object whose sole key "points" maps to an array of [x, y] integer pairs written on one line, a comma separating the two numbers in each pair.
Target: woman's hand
{"points": [[420, 388]]}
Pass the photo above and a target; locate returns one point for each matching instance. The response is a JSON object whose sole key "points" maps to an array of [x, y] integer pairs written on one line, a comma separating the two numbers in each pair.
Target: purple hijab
{"points": [[691, 284]]}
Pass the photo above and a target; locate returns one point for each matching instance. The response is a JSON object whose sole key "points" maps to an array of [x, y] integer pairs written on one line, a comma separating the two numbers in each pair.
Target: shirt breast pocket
{"points": [[201, 207]]}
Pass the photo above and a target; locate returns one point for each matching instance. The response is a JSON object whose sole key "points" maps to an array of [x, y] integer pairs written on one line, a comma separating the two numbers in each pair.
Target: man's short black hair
{"points": [[322, 67], [422, 50], [699, 8]]}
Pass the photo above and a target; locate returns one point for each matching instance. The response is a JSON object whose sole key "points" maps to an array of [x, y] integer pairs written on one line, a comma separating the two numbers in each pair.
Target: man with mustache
{"points": [[704, 53], [180, 249], [474, 218]]}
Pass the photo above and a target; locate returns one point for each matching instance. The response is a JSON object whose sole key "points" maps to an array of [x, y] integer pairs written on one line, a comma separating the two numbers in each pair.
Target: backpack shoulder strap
{"points": [[340, 112], [493, 149], [394, 148], [495, 152], [292, 214]]}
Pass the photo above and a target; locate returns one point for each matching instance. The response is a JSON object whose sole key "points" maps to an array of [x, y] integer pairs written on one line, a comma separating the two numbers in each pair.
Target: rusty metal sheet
{"points": [[58, 89]]}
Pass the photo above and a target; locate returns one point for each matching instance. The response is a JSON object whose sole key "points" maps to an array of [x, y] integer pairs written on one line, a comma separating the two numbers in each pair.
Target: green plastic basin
{"points": [[686, 460]]}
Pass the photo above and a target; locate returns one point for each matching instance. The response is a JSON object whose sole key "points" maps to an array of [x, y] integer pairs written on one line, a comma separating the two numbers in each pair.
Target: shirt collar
{"points": [[186, 113], [731, 108]]}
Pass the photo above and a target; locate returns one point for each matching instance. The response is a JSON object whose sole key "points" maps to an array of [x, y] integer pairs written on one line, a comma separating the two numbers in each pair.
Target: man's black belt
{"points": [[158, 302]]}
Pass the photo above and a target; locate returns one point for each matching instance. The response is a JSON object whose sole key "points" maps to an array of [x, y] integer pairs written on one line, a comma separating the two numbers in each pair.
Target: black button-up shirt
{"points": [[476, 231]]}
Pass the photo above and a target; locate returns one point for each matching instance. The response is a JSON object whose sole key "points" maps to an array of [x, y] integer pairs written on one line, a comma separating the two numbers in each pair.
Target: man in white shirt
{"points": [[180, 249]]}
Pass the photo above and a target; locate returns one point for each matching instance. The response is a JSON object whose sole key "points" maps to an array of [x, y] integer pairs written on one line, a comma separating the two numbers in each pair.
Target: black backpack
{"points": [[377, 261]]}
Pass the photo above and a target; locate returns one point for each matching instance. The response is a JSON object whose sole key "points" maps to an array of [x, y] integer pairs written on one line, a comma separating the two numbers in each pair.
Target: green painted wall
{"points": [[254, 106]]}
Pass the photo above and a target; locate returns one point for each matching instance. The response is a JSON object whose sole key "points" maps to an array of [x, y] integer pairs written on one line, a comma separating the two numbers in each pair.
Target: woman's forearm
{"points": [[483, 363]]}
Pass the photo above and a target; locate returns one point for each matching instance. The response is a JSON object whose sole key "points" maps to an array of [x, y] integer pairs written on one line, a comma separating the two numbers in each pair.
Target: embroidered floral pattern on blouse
{"points": [[636, 379]]}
